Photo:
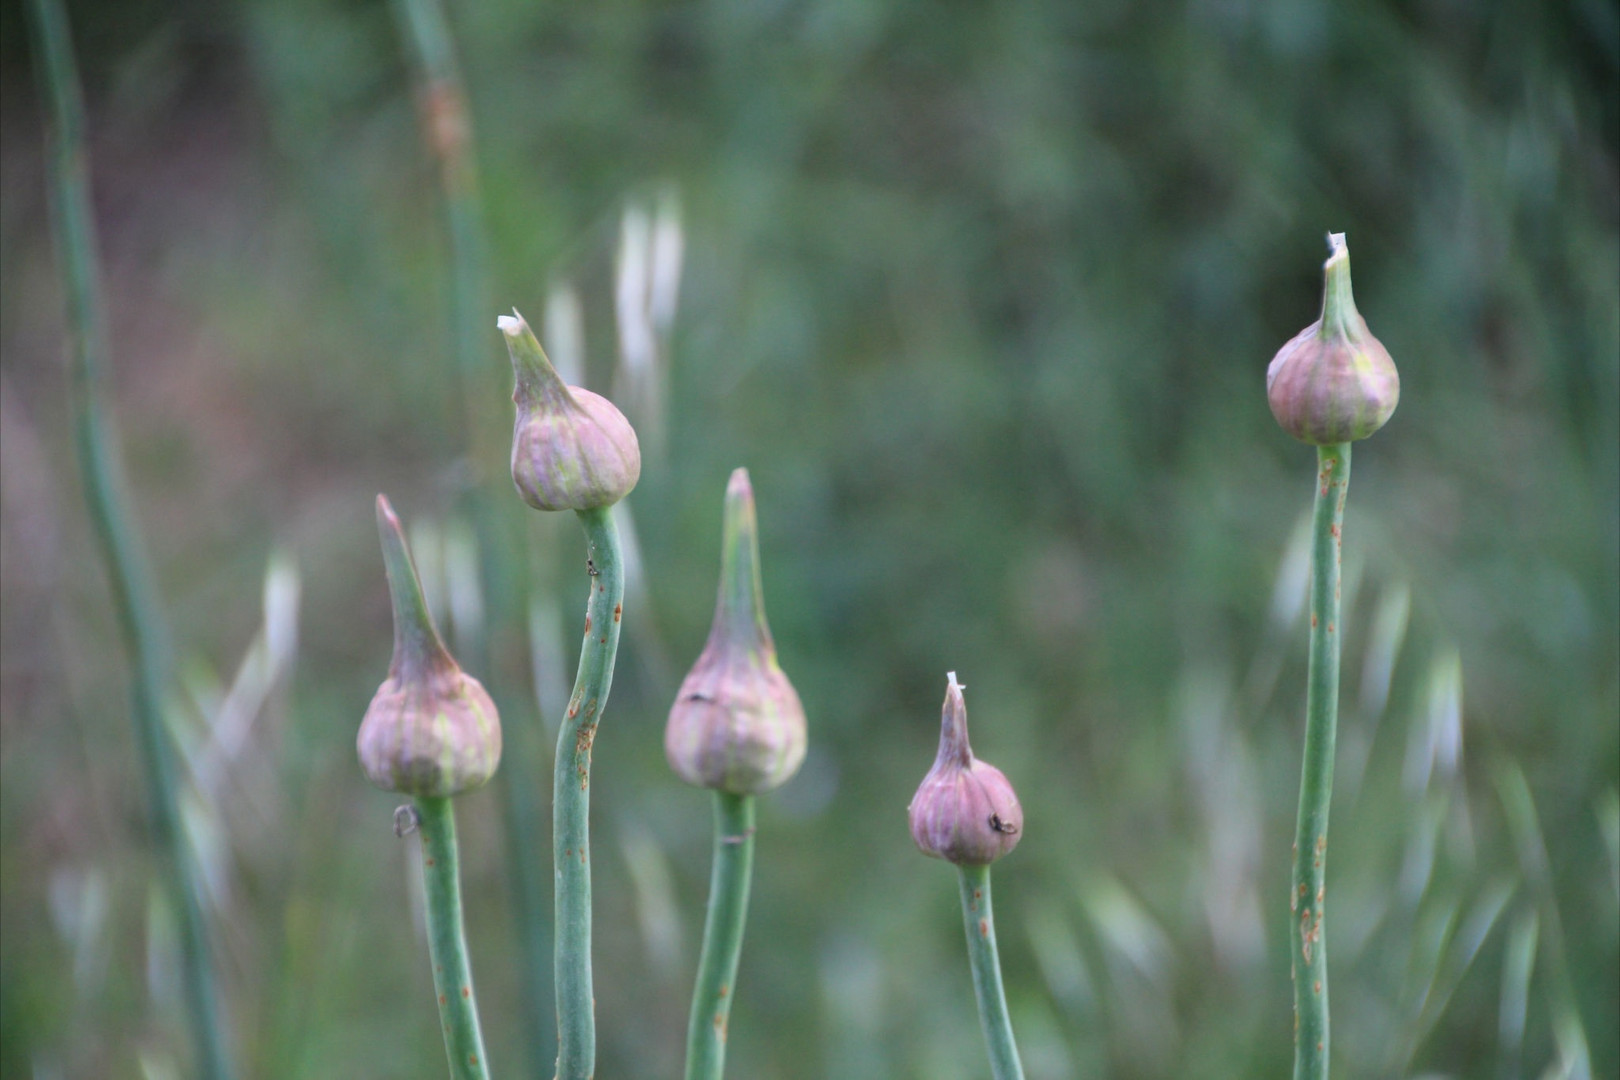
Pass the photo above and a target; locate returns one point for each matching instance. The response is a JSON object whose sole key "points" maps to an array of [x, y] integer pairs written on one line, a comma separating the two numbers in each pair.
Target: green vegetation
{"points": [[983, 298]]}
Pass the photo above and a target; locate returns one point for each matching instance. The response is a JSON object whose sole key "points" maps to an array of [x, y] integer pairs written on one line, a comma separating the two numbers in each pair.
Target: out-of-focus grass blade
{"points": [[1128, 930], [1463, 947], [462, 576], [565, 333], [1436, 743], [1384, 643], [657, 912], [1058, 954], [157, 1065], [855, 1003], [1422, 841], [546, 659], [1525, 824], [162, 949], [668, 252], [427, 550], [1518, 966], [1045, 1052], [77, 899], [1608, 819]]}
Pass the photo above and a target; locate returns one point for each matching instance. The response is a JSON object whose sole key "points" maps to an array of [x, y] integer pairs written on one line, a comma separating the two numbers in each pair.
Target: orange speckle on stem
{"points": [[618, 609], [984, 928]]}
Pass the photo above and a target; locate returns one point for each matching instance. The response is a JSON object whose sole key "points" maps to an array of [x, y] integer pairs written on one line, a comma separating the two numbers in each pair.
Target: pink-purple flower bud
{"points": [[571, 449], [1334, 382], [431, 729], [737, 724], [965, 811]]}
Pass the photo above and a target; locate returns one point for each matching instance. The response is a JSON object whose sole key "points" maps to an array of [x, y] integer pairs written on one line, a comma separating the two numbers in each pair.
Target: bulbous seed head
{"points": [[571, 449], [430, 729], [737, 724], [965, 811], [1334, 382]]}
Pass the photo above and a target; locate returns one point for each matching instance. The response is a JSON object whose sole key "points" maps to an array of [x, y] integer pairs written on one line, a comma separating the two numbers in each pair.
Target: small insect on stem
{"points": [[406, 819], [590, 567]]}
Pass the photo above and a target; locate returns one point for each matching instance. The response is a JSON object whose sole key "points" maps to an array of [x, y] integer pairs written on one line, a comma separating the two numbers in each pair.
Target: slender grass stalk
{"points": [[135, 600], [447, 939], [1307, 926], [571, 798], [980, 920], [722, 935], [447, 133]]}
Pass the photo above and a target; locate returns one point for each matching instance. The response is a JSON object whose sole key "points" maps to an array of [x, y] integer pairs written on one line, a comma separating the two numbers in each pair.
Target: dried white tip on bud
{"points": [[950, 678], [511, 325], [1336, 245]]}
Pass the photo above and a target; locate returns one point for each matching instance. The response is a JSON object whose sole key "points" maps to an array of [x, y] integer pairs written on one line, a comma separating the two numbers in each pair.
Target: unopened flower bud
{"points": [[737, 724], [965, 811], [571, 449], [431, 729], [1334, 382]]}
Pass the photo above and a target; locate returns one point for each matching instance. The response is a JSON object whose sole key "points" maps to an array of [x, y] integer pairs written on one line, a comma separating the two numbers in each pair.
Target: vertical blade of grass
{"points": [[447, 132], [1524, 822], [1518, 966], [135, 601]]}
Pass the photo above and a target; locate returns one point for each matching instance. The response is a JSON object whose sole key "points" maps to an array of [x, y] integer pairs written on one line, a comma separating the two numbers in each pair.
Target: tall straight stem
{"points": [[1308, 893], [722, 935], [140, 619], [980, 920], [571, 798], [447, 940], [446, 127]]}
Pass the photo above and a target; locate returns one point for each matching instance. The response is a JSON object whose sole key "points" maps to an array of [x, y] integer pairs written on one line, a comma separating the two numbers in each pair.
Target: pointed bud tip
{"points": [[965, 811], [386, 518], [1333, 382]]}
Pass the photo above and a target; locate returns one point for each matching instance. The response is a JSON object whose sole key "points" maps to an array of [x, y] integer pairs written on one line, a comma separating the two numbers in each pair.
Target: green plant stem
{"points": [[722, 935], [140, 619], [571, 798], [446, 128], [980, 920], [447, 940], [1306, 900]]}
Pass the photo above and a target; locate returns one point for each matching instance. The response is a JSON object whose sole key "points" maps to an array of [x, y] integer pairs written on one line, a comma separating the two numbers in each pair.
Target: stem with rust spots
{"points": [[1305, 901], [980, 921], [129, 576], [571, 798], [722, 935], [447, 940]]}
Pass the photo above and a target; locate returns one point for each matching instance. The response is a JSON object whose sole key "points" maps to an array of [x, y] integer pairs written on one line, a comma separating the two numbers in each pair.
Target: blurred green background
{"points": [[983, 296]]}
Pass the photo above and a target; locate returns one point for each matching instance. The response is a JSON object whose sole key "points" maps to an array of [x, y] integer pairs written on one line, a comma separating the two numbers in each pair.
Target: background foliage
{"points": [[983, 296]]}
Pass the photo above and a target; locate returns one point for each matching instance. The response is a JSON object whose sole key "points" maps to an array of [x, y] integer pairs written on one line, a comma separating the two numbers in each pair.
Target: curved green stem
{"points": [[980, 920], [1307, 930], [722, 935], [140, 617], [447, 940], [571, 798]]}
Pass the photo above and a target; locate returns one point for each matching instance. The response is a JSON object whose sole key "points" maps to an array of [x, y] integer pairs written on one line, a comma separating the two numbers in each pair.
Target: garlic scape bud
{"points": [[431, 730], [965, 811], [737, 724], [571, 449], [1334, 382]]}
